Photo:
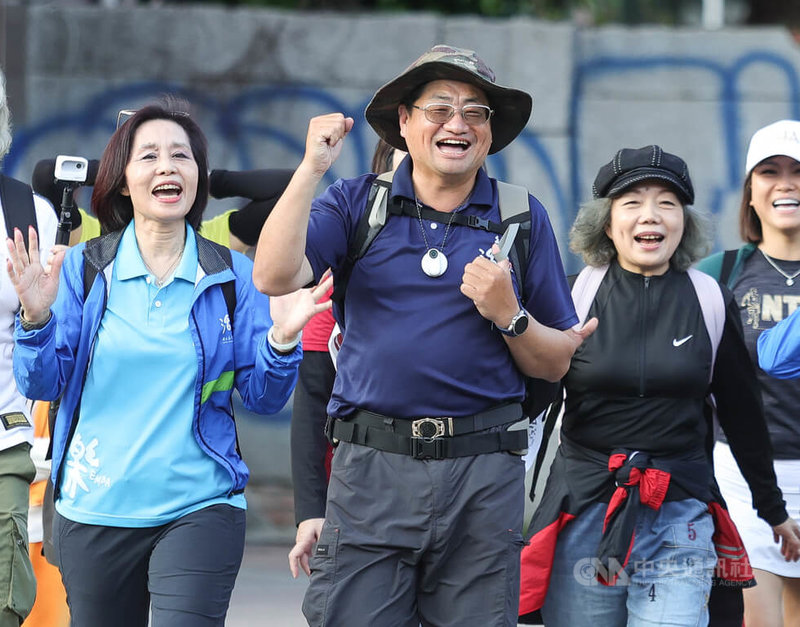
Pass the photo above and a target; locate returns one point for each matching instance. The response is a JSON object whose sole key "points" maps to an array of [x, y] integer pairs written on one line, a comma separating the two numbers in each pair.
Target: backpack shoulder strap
{"points": [[89, 273], [377, 214], [514, 208], [712, 304], [229, 287], [369, 225], [229, 293], [513, 201], [374, 218], [18, 208], [585, 289], [728, 261]]}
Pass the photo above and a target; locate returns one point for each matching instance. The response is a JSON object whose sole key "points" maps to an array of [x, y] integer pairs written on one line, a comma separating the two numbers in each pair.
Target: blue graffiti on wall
{"points": [[235, 123], [238, 124], [729, 102]]}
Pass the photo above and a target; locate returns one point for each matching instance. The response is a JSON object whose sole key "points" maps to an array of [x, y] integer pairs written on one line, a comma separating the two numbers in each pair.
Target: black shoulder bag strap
{"points": [[229, 287], [18, 208], [229, 293], [514, 208], [728, 261], [369, 225]]}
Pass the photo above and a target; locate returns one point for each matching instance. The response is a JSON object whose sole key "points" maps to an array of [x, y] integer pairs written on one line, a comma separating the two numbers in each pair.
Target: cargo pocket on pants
{"points": [[17, 582], [323, 563]]}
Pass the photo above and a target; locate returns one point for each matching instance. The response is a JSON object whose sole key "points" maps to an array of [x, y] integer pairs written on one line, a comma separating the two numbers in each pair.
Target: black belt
{"points": [[434, 438]]}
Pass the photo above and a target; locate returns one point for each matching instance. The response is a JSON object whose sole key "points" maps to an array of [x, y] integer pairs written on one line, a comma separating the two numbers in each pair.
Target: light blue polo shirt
{"points": [[133, 460]]}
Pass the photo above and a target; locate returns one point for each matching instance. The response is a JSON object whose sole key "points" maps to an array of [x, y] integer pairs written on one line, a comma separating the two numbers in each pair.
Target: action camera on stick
{"points": [[71, 172]]}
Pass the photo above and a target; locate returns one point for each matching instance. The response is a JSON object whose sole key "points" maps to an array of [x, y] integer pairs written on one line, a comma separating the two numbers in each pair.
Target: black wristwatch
{"points": [[519, 323]]}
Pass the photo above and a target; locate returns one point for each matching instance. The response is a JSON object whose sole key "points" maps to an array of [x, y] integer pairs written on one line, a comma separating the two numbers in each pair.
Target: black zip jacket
{"points": [[641, 381]]}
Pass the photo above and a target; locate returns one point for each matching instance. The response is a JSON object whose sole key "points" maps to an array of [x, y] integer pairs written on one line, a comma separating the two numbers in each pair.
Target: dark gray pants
{"points": [[185, 569], [408, 541]]}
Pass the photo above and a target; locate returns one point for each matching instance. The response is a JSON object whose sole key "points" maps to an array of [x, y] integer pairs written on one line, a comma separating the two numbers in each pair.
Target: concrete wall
{"points": [[256, 76]]}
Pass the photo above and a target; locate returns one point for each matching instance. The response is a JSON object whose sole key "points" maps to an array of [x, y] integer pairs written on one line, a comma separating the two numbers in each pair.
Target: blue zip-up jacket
{"points": [[53, 360], [779, 348]]}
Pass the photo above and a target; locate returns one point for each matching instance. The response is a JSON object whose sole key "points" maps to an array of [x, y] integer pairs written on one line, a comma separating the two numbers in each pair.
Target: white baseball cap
{"points": [[778, 138]]}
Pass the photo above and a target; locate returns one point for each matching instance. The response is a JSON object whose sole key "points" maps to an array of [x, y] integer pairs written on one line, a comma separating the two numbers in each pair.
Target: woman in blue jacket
{"points": [[145, 338]]}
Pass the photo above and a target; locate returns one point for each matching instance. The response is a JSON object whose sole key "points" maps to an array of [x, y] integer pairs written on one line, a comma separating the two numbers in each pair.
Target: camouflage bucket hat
{"points": [[512, 107]]}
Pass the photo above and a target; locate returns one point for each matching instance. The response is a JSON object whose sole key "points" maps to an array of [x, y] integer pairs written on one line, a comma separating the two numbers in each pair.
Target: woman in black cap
{"points": [[630, 528]]}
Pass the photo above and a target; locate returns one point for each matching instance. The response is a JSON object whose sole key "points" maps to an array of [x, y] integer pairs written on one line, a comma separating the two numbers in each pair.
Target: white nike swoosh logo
{"points": [[677, 343]]}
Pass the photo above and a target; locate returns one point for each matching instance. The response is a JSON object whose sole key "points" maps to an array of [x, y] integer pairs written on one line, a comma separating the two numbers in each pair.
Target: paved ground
{"points": [[265, 593]]}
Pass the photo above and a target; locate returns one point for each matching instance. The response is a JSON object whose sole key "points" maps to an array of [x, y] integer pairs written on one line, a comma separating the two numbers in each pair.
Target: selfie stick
{"points": [[65, 217]]}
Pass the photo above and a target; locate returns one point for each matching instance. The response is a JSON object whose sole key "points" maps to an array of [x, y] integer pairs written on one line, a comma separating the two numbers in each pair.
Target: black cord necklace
{"points": [[434, 261]]}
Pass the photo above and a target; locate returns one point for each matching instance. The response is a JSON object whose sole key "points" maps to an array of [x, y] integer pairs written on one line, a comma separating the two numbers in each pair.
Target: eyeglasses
{"points": [[442, 112], [123, 116]]}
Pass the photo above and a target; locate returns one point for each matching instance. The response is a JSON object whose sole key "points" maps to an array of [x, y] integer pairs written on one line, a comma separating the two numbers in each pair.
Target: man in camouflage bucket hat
{"points": [[511, 107], [425, 501]]}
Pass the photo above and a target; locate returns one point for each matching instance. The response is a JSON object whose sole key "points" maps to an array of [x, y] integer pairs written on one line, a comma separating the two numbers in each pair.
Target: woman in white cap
{"points": [[764, 276]]}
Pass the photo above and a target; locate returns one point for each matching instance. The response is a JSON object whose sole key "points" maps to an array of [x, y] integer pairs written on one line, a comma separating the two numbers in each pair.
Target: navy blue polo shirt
{"points": [[415, 345]]}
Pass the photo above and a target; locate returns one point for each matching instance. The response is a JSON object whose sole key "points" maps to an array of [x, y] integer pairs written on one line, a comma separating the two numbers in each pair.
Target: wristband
{"points": [[283, 348], [33, 326]]}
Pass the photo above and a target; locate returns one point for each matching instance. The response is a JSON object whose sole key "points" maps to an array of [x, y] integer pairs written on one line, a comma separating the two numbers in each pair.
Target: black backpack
{"points": [[514, 208], [18, 207]]}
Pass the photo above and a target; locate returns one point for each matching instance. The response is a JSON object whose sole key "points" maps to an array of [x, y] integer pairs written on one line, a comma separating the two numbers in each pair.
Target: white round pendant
{"points": [[434, 263], [789, 282]]}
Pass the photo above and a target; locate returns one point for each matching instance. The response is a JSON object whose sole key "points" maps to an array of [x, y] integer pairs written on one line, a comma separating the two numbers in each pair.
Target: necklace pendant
{"points": [[790, 282], [434, 263]]}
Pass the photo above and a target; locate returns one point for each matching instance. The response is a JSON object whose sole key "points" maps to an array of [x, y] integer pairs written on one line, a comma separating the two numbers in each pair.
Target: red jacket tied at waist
{"points": [[580, 477], [633, 475]]}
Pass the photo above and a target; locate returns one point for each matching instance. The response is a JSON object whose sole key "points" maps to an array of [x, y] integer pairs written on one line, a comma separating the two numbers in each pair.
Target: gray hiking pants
{"points": [[409, 542]]}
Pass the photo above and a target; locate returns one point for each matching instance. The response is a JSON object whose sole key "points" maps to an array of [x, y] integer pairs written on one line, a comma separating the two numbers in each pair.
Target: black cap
{"points": [[632, 165]]}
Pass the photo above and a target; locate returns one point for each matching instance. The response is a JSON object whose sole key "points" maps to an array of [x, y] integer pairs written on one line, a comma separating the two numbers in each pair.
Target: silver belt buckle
{"points": [[430, 428]]}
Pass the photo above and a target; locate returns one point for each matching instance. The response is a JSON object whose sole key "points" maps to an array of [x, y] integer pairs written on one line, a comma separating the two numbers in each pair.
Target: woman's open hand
{"points": [[36, 286], [291, 312]]}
